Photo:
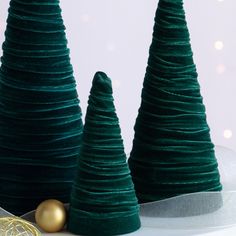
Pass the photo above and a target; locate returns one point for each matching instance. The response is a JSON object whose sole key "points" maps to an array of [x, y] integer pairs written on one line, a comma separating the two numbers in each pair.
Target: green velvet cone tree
{"points": [[41, 125], [172, 151], [103, 200]]}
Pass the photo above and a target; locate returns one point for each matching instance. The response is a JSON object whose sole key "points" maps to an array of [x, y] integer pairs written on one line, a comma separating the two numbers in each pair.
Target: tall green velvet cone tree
{"points": [[103, 200], [40, 117], [172, 151]]}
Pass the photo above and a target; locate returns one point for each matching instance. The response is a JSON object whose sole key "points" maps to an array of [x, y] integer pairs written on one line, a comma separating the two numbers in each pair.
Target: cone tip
{"points": [[102, 82]]}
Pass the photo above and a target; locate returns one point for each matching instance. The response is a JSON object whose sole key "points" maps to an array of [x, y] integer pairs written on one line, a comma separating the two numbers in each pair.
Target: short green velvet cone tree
{"points": [[172, 151], [41, 125], [103, 200]]}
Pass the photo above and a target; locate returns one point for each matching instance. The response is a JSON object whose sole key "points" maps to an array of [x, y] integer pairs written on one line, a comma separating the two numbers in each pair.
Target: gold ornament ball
{"points": [[50, 215]]}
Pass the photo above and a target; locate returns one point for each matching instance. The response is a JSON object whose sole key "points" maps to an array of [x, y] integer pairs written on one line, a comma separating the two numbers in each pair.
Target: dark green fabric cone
{"points": [[103, 200], [172, 151], [40, 117]]}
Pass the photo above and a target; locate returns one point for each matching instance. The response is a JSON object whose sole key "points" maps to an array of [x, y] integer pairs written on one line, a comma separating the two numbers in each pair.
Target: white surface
{"points": [[158, 232], [114, 36]]}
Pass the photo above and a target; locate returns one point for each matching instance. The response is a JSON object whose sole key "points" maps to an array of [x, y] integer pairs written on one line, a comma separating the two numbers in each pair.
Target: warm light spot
{"points": [[116, 83], [219, 45], [111, 47], [85, 18], [228, 133], [221, 69]]}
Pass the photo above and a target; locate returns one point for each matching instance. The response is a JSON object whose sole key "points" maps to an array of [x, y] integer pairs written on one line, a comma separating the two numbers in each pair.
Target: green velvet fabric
{"points": [[40, 117], [172, 151], [103, 200]]}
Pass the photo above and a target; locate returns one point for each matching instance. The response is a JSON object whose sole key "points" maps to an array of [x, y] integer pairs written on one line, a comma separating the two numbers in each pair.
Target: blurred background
{"points": [[114, 36]]}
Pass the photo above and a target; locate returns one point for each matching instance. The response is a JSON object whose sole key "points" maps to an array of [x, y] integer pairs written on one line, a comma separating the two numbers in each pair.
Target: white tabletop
{"points": [[230, 231]]}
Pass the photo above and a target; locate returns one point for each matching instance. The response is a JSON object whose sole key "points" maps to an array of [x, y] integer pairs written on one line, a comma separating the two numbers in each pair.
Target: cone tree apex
{"points": [[172, 1], [38, 2], [102, 83]]}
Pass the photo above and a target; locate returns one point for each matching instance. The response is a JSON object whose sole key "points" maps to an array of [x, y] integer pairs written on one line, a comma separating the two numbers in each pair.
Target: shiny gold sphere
{"points": [[50, 215]]}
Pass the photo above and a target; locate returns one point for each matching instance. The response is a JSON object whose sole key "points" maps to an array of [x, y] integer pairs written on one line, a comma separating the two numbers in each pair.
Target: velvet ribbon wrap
{"points": [[103, 200], [172, 151], [41, 125]]}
